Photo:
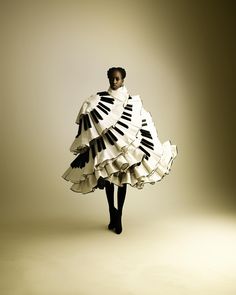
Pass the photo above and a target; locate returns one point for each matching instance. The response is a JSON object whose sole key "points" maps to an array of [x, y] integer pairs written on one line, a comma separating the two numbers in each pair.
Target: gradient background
{"points": [[179, 57]]}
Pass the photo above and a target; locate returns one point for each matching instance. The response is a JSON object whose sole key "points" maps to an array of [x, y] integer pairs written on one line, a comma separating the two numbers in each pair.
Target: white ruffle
{"points": [[122, 162]]}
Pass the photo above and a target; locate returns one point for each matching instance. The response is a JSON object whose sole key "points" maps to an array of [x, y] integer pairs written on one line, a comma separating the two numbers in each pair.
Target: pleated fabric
{"points": [[117, 141]]}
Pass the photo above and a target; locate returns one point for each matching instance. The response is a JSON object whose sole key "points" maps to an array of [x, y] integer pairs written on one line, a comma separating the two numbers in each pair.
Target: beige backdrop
{"points": [[179, 56]]}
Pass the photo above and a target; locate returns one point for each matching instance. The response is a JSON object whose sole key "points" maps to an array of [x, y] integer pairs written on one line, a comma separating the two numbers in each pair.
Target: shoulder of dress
{"points": [[135, 97], [86, 106], [91, 97]]}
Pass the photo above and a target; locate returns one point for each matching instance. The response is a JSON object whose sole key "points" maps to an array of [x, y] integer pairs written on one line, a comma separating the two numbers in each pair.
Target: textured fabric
{"points": [[117, 141]]}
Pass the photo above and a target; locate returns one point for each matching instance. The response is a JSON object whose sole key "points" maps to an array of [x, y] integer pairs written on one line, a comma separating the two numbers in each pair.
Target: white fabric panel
{"points": [[133, 154]]}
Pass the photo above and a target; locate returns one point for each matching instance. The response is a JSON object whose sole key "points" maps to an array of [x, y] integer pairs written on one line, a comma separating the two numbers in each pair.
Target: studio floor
{"points": [[191, 253]]}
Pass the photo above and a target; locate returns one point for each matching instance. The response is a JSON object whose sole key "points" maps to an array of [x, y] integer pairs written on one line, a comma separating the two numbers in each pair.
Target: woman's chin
{"points": [[114, 87]]}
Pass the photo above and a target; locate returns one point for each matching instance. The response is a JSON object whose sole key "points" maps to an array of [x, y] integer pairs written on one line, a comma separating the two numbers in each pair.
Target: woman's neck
{"points": [[120, 93]]}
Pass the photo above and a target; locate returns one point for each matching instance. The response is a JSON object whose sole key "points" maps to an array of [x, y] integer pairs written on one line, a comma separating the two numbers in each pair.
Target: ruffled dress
{"points": [[117, 142]]}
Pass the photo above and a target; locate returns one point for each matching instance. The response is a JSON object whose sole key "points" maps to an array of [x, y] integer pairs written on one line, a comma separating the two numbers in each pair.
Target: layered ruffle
{"points": [[122, 147]]}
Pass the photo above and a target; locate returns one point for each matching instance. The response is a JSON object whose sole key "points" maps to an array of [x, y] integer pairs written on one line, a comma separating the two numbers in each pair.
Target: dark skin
{"points": [[116, 80]]}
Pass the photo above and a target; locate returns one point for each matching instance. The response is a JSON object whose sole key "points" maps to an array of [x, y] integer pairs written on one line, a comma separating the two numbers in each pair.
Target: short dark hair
{"points": [[113, 69]]}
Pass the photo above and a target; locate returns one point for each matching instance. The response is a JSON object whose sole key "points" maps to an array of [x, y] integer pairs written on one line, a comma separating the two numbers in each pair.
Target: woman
{"points": [[117, 143]]}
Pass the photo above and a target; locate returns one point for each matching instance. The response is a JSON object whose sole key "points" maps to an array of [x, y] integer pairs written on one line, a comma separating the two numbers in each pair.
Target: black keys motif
{"points": [[147, 143], [118, 130], [102, 143], [126, 118], [111, 137], [144, 122], [92, 145], [144, 142], [87, 123], [107, 99], [145, 152], [103, 93], [145, 133], [97, 145], [103, 106], [81, 160], [102, 109], [126, 114], [122, 124], [128, 107], [96, 116], [84, 121]]}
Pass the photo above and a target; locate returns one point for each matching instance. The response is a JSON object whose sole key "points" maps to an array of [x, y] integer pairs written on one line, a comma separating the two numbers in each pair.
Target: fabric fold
{"points": [[118, 142]]}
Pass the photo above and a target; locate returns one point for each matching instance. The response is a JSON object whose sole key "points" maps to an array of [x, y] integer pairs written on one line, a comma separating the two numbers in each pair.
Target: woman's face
{"points": [[115, 80]]}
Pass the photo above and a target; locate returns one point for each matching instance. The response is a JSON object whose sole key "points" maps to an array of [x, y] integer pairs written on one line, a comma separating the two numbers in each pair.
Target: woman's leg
{"points": [[120, 200], [110, 199]]}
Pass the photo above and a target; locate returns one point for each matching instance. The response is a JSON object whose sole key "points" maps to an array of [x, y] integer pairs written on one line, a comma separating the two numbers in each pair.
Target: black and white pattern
{"points": [[117, 140]]}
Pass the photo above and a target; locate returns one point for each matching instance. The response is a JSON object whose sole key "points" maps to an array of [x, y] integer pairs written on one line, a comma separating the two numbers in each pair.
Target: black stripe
{"points": [[104, 111], [81, 160], [105, 107], [85, 123], [122, 124], [88, 121], [80, 126], [94, 116], [99, 145], [147, 142], [93, 151], [130, 97], [147, 145], [112, 135], [103, 143], [143, 120], [129, 105], [125, 118], [145, 124], [128, 108], [145, 131], [107, 99], [119, 131], [109, 138], [127, 114], [103, 93], [97, 114], [143, 150], [147, 135]]}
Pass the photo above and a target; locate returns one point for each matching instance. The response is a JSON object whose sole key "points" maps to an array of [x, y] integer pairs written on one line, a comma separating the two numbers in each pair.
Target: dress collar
{"points": [[121, 93]]}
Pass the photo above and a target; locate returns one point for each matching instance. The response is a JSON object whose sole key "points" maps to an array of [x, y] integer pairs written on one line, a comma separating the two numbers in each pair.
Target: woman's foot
{"points": [[113, 215], [118, 226]]}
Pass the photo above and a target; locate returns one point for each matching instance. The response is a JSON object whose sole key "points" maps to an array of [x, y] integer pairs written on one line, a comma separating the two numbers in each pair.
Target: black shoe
{"points": [[113, 215], [118, 226]]}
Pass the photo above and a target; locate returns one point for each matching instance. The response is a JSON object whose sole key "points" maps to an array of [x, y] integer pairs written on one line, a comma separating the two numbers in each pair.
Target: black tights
{"points": [[121, 192]]}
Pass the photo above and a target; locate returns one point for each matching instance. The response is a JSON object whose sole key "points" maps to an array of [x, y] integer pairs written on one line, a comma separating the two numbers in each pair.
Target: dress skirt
{"points": [[117, 141]]}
